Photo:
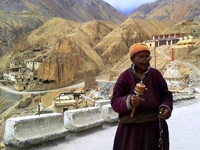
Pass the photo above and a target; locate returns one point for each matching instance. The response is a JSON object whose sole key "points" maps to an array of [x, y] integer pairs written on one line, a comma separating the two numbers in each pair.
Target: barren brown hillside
{"points": [[20, 17], [71, 50], [66, 49], [168, 10], [189, 27], [93, 49], [116, 44]]}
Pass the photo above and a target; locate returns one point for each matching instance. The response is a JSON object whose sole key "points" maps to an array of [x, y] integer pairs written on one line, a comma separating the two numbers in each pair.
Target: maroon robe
{"points": [[141, 136]]}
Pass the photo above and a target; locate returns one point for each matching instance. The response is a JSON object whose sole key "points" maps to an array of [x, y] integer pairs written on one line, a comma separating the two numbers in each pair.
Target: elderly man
{"points": [[143, 131]]}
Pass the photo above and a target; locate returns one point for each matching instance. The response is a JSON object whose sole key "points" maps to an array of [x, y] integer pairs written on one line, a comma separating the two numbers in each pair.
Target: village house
{"points": [[9, 74], [6, 74], [164, 39], [64, 101], [21, 73], [17, 63], [178, 39], [167, 39], [33, 65], [22, 81], [186, 41], [20, 86]]}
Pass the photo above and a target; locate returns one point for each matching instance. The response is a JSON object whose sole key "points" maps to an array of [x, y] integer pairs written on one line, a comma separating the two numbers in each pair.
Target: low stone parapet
{"points": [[27, 131], [83, 119], [100, 103], [108, 114], [182, 96]]}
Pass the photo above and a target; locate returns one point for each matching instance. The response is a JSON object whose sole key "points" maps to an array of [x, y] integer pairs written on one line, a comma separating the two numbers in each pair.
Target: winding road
{"points": [[11, 90], [39, 92], [161, 51]]}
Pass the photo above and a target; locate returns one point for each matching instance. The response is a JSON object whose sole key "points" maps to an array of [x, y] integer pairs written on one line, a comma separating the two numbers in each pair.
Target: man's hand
{"points": [[164, 113], [136, 100]]}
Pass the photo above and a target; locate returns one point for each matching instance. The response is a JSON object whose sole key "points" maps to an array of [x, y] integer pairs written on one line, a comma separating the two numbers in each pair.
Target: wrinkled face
{"points": [[141, 61]]}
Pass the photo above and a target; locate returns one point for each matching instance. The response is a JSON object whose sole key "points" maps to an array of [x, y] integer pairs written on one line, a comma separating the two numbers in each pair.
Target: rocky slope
{"points": [[66, 49], [19, 17], [75, 50], [72, 50], [116, 44], [168, 10]]}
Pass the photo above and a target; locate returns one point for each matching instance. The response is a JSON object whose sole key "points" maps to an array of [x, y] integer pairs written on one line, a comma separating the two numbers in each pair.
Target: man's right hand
{"points": [[136, 100]]}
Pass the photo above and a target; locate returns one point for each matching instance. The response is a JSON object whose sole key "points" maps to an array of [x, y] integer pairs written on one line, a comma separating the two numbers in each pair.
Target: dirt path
{"points": [[161, 51]]}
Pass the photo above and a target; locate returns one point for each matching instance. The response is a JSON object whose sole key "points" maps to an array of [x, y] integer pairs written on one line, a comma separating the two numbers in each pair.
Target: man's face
{"points": [[141, 60]]}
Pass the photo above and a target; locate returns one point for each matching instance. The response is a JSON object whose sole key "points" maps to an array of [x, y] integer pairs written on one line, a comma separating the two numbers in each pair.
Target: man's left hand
{"points": [[164, 113]]}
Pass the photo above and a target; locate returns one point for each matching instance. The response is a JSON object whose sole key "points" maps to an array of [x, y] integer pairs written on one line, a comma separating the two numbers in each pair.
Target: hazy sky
{"points": [[126, 6]]}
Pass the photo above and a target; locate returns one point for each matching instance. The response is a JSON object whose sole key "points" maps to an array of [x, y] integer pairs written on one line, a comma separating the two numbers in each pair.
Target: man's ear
{"points": [[132, 59]]}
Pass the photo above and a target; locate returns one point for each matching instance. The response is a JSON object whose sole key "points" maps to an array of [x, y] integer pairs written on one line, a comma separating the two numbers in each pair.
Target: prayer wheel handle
{"points": [[134, 107], [133, 110]]}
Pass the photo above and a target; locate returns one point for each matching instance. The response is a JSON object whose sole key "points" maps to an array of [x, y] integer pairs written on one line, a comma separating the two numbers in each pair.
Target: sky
{"points": [[127, 6]]}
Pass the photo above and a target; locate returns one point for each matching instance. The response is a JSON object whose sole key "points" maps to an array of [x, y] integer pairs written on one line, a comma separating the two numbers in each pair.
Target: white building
{"points": [[33, 65]]}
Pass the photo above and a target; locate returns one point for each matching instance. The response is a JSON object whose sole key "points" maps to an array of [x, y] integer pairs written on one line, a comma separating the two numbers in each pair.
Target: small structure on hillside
{"points": [[77, 94], [33, 65], [90, 82], [172, 74], [75, 100], [17, 63], [20, 84], [20, 74], [186, 41], [176, 82], [167, 39], [64, 102], [11, 73], [181, 39], [85, 101]]}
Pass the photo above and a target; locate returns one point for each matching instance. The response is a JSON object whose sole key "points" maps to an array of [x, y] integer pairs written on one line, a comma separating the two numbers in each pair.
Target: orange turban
{"points": [[138, 47]]}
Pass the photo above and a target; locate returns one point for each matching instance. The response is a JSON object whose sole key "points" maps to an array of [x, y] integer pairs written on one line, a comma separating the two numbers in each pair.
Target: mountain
{"points": [[76, 10], [116, 44], [189, 54], [168, 10], [66, 49], [71, 50], [19, 17]]}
